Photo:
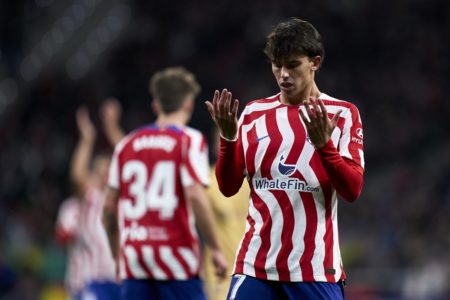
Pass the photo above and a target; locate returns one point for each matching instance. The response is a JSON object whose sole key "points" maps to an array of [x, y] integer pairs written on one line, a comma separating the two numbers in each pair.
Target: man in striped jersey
{"points": [[91, 265], [157, 178], [298, 150]]}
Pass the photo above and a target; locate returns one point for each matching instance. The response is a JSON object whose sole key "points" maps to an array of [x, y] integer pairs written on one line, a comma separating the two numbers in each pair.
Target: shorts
{"points": [[136, 289], [101, 290], [247, 287]]}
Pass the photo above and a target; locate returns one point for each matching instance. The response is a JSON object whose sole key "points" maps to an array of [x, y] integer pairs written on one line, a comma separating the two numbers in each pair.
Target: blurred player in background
{"points": [[69, 234], [98, 265], [157, 178], [298, 149], [229, 214]]}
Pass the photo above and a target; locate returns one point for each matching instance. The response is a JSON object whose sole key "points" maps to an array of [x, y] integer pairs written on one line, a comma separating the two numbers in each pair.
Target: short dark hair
{"points": [[291, 38], [171, 86]]}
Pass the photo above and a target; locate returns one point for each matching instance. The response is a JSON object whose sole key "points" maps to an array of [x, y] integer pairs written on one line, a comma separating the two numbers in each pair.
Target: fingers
{"points": [[303, 116], [216, 101], [317, 111], [210, 108], [234, 109], [335, 119], [323, 109]]}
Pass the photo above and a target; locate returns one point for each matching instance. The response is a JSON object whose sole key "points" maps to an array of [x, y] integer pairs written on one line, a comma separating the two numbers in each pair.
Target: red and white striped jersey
{"points": [[151, 167], [79, 226], [292, 230]]}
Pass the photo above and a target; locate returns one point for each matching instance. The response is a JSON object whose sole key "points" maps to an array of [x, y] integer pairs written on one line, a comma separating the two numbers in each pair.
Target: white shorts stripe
{"points": [[236, 286]]}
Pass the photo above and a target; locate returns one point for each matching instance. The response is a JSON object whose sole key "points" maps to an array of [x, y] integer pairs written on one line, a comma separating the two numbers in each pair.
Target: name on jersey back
{"points": [[163, 142]]}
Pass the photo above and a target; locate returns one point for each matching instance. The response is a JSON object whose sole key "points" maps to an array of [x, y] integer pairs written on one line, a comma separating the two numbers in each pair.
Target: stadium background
{"points": [[391, 58]]}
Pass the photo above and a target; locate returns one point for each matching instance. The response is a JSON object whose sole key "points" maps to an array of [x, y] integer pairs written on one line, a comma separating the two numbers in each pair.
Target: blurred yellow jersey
{"points": [[230, 214]]}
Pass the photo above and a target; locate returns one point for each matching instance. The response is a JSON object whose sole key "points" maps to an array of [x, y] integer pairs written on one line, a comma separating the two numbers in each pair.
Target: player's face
{"points": [[295, 77]]}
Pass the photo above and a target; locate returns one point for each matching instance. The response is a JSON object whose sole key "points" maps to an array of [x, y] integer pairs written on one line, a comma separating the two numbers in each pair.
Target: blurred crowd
{"points": [[389, 58]]}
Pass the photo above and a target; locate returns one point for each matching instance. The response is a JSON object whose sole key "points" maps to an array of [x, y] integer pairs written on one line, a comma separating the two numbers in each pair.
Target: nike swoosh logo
{"points": [[263, 137]]}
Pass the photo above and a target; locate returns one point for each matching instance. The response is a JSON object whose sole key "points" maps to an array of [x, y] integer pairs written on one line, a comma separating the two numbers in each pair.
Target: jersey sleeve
{"points": [[195, 163], [351, 141], [344, 164], [67, 220], [230, 167]]}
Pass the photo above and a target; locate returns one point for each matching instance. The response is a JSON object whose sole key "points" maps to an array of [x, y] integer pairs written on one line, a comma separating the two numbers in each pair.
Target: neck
{"points": [[178, 119], [310, 92]]}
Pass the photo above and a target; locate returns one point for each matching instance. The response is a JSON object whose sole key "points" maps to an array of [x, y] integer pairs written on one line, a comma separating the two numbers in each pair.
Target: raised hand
{"points": [[318, 125], [84, 123], [110, 112], [224, 113]]}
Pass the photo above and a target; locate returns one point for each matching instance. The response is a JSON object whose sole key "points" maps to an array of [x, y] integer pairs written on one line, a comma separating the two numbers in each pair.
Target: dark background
{"points": [[390, 58]]}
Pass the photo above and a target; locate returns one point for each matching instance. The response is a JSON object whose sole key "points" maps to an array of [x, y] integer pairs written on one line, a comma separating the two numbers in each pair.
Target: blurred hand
{"points": [[220, 264], [224, 114], [319, 126], [85, 126], [110, 112]]}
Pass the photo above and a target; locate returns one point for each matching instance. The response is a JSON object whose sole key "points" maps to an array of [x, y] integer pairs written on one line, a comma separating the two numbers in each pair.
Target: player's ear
{"points": [[189, 104], [156, 106], [316, 60]]}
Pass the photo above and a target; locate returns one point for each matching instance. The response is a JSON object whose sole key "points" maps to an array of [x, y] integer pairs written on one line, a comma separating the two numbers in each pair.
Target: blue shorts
{"points": [[246, 287], [101, 290], [191, 289]]}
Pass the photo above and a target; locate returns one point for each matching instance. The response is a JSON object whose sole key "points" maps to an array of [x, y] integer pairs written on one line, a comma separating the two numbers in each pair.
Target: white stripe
{"points": [[172, 263], [149, 259], [197, 157], [337, 261], [299, 212], [361, 156], [133, 263], [122, 268], [260, 106], [298, 245], [186, 179], [255, 242], [236, 286], [275, 233], [345, 138], [189, 258]]}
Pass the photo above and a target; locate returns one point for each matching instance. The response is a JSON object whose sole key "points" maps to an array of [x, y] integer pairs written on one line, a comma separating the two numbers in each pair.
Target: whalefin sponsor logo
{"points": [[294, 184]]}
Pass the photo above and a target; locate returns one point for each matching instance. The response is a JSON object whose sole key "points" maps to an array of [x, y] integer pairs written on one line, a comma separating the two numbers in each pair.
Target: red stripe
{"points": [[266, 164], [306, 198], [142, 263], [286, 235], [283, 199], [309, 237], [261, 256], [250, 159], [244, 247]]}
